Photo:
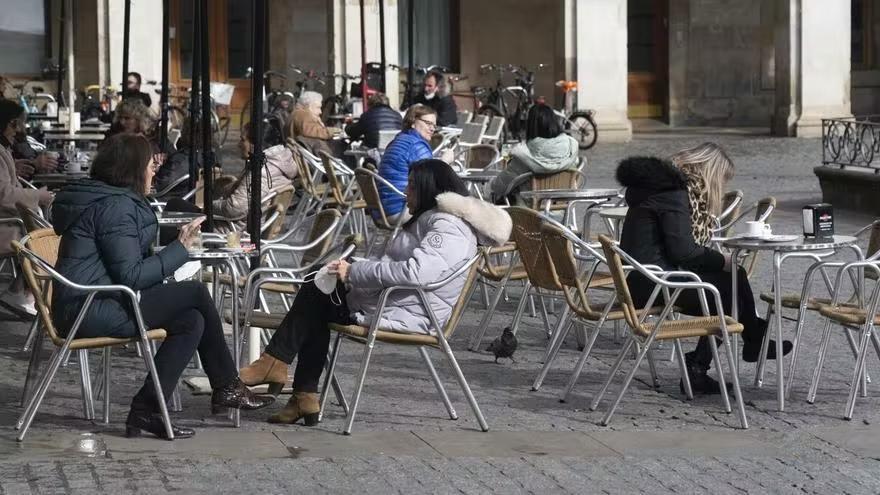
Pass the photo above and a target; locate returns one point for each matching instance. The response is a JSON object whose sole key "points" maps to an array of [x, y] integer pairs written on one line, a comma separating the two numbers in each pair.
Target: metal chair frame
{"points": [[616, 257], [27, 417], [868, 313], [440, 333]]}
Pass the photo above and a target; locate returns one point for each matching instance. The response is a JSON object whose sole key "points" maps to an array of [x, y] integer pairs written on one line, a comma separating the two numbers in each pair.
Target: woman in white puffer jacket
{"points": [[446, 227]]}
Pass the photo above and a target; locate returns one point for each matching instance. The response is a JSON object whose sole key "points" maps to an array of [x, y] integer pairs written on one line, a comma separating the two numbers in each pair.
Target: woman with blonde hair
{"points": [[659, 230], [707, 168]]}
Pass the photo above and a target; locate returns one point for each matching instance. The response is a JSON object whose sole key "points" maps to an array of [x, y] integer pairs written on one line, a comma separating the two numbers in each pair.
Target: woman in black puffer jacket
{"points": [[107, 232], [658, 231]]}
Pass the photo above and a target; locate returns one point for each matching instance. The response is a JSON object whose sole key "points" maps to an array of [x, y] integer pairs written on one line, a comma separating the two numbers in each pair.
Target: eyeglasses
{"points": [[431, 125]]}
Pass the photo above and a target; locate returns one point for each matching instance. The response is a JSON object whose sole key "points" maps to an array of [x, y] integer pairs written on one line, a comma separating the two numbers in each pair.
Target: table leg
{"points": [[236, 330], [777, 314], [734, 308]]}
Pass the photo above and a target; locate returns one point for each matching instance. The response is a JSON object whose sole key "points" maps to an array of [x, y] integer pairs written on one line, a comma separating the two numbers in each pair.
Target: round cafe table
{"points": [[800, 247]]}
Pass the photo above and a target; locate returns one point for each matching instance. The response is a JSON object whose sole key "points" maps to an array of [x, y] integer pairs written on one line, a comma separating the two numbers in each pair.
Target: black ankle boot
{"points": [[701, 382], [152, 423], [236, 395], [752, 346]]}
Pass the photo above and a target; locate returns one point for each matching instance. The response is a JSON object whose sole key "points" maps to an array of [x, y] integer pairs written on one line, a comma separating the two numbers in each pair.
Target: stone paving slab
{"points": [[227, 443], [685, 443], [860, 441], [368, 443], [515, 444]]}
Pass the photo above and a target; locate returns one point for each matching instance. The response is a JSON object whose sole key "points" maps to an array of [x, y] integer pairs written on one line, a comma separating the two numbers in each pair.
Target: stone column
{"points": [[812, 65], [602, 65], [347, 39]]}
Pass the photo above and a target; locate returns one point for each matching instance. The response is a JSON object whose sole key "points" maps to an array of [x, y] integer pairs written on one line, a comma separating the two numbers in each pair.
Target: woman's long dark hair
{"points": [[9, 111], [122, 161], [542, 122], [430, 178]]}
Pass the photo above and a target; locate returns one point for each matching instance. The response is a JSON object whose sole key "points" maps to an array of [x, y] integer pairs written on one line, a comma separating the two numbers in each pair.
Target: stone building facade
{"points": [[777, 64]]}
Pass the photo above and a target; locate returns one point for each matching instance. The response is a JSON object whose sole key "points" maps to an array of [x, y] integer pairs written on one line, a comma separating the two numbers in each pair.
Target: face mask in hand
{"points": [[325, 281]]}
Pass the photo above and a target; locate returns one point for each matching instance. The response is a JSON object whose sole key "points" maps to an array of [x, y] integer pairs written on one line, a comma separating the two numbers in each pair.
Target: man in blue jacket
{"points": [[379, 117]]}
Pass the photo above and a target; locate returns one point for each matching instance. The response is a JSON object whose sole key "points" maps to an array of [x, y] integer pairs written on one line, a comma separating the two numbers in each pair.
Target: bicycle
{"points": [[96, 107], [579, 124], [277, 101], [511, 102], [341, 102], [179, 105], [28, 101]]}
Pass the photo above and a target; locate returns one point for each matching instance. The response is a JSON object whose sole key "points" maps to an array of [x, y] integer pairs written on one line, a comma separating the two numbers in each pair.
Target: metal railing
{"points": [[852, 142]]}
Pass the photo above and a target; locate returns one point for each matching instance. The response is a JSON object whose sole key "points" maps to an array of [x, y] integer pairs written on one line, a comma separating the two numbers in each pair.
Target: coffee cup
{"points": [[758, 229]]}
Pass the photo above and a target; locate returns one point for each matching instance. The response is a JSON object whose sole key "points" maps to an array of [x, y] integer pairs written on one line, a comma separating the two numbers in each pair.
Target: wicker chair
{"points": [[566, 254], [40, 276], [535, 262], [730, 206], [643, 334], [862, 318], [437, 338], [367, 183], [806, 302]]}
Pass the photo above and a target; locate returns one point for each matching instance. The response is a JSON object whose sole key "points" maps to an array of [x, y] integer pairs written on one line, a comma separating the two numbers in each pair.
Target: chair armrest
{"points": [[13, 221]]}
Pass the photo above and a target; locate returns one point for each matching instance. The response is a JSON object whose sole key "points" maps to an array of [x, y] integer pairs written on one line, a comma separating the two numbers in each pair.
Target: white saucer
{"points": [[780, 238]]}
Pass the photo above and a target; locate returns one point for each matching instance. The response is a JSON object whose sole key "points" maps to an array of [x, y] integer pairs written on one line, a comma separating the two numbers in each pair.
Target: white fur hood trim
{"points": [[487, 219]]}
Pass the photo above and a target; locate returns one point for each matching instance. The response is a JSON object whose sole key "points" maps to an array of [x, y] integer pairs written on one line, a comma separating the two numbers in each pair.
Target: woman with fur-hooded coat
{"points": [[658, 230], [446, 227]]}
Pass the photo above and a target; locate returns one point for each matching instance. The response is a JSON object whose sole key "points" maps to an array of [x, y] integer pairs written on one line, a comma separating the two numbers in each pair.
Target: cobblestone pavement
{"points": [[404, 443]]}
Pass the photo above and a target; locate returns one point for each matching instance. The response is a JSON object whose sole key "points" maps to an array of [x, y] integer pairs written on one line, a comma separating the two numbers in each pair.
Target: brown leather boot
{"points": [[303, 405], [267, 369]]}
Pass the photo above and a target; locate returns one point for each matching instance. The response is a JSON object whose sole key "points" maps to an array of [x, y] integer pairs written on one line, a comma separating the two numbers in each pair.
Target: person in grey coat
{"points": [[547, 150], [443, 234]]}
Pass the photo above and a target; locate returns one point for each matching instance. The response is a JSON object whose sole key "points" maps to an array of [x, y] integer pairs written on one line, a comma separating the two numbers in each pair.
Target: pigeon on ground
{"points": [[504, 346]]}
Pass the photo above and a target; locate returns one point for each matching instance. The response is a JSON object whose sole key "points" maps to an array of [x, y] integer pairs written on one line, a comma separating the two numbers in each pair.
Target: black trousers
{"points": [[187, 313], [303, 334], [689, 302]]}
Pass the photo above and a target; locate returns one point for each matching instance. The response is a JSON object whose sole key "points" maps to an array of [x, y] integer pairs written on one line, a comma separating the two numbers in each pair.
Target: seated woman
{"points": [[698, 164], [279, 170], [547, 150], [658, 230], [411, 145], [12, 193], [306, 125], [177, 164], [441, 236], [107, 232], [131, 116]]}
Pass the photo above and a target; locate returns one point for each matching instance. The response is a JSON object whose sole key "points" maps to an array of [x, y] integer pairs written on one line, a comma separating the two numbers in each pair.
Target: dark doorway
{"points": [[648, 58]]}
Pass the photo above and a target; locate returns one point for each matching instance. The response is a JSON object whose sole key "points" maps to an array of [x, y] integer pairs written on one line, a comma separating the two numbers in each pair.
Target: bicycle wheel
{"points": [[582, 127]]}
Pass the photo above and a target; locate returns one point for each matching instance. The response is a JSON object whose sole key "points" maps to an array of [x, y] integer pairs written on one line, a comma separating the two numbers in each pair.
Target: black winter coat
{"points": [[107, 234], [175, 167], [378, 118], [657, 229], [444, 106]]}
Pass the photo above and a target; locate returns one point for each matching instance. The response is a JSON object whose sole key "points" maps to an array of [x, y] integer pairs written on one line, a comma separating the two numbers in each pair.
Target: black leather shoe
{"points": [[752, 350], [152, 423], [236, 395], [702, 383]]}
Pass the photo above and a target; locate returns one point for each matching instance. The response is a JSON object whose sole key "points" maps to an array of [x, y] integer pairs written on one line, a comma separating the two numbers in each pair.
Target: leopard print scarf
{"points": [[698, 198]]}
